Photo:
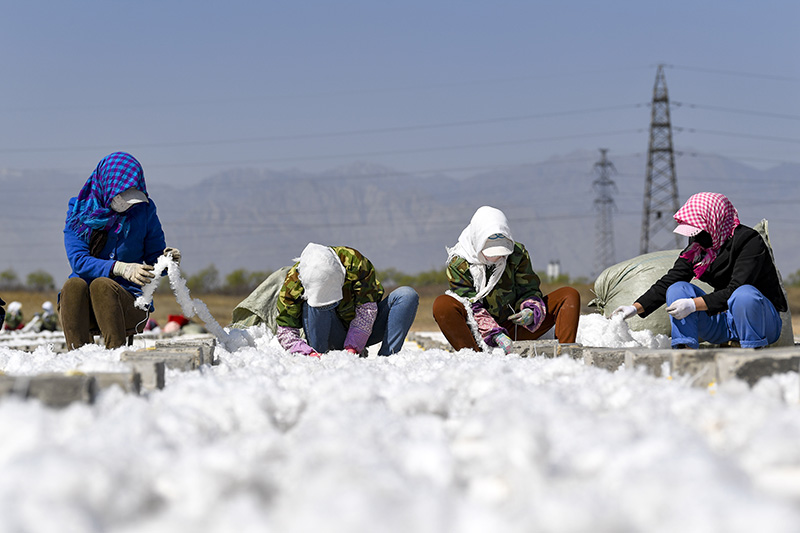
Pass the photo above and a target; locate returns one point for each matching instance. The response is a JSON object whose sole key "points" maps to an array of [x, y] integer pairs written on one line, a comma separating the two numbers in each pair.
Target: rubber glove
{"points": [[176, 254], [682, 308], [503, 341], [626, 311], [523, 318], [134, 272]]}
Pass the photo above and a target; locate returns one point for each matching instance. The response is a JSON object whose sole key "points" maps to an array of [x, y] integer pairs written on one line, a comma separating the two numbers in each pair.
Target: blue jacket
{"points": [[143, 244]]}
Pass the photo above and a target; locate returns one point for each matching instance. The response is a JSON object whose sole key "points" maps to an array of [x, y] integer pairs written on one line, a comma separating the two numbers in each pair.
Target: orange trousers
{"points": [[563, 311]]}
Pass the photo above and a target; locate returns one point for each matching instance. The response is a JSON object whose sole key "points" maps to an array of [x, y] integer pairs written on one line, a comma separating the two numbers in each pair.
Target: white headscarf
{"points": [[485, 222], [322, 275]]}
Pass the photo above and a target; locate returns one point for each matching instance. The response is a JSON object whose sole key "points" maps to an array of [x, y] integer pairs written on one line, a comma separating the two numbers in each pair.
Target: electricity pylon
{"points": [[604, 205], [661, 185]]}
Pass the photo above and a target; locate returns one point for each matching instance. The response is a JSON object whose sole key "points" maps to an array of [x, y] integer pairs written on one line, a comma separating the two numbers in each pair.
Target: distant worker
{"points": [[735, 261], [112, 238], [45, 320], [333, 295], [494, 295], [14, 319]]}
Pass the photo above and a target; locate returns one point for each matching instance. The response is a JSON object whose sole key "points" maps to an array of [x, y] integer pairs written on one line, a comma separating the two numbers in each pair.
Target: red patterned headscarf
{"points": [[713, 213]]}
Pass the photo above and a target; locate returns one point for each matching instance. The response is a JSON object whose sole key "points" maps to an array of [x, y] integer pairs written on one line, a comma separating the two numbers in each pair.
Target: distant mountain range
{"points": [[262, 219]]}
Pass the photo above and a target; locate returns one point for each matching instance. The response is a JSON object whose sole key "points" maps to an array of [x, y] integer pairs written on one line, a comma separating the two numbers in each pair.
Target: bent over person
{"points": [[735, 261], [494, 295], [112, 238], [334, 296]]}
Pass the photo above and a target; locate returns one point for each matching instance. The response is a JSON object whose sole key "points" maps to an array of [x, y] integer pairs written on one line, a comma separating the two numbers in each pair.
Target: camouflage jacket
{"points": [[518, 283], [360, 286]]}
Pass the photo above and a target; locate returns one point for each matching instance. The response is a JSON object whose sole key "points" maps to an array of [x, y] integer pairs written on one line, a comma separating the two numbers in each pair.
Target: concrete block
{"points": [[151, 373], [752, 365], [652, 360], [130, 381], [198, 353], [174, 360], [537, 348], [206, 345], [606, 358], [58, 390], [7, 384], [699, 365], [571, 349], [427, 343]]}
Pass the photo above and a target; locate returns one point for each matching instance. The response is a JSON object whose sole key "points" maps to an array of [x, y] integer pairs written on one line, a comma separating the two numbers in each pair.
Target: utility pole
{"points": [[604, 205], [661, 186]]}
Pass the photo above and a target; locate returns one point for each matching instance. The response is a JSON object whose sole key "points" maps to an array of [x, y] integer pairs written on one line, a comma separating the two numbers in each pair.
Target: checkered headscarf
{"points": [[713, 213], [114, 174]]}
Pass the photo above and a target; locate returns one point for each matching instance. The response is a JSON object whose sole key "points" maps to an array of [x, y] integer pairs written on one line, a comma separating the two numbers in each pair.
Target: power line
{"points": [[744, 135], [740, 111], [735, 73], [334, 134]]}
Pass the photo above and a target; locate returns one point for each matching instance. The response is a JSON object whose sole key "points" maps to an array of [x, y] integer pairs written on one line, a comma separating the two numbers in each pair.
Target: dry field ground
{"points": [[221, 306]]}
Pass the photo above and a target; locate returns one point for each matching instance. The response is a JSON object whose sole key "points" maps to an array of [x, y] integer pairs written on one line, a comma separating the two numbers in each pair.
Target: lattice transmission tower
{"points": [[661, 185], [604, 205]]}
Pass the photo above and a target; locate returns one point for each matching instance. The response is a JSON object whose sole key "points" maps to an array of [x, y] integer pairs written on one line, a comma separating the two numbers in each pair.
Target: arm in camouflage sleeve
{"points": [[526, 281], [460, 279], [365, 286]]}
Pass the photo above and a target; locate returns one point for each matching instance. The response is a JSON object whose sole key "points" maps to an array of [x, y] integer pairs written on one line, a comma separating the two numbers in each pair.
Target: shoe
{"points": [[680, 347]]}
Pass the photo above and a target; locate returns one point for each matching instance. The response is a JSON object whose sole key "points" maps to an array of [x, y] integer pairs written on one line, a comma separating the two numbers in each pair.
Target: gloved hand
{"points": [[314, 354], [176, 254], [626, 311], [523, 318], [682, 308], [134, 272], [503, 341]]}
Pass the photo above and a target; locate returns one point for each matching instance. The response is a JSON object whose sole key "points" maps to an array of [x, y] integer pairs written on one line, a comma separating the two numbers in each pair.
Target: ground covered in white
{"points": [[422, 441]]}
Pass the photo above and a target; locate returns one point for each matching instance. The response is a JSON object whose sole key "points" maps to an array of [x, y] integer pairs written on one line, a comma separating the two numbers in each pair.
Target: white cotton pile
{"points": [[423, 441], [231, 339], [597, 331]]}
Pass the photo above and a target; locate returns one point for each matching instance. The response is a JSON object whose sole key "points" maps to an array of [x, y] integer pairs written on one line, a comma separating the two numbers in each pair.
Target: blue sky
{"points": [[194, 88]]}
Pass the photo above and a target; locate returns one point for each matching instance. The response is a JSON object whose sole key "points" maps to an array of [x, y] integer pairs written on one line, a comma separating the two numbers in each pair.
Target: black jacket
{"points": [[744, 259]]}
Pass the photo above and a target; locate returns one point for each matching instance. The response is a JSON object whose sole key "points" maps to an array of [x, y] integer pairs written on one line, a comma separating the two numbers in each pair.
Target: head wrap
{"points": [[114, 174], [486, 222], [322, 274], [713, 213]]}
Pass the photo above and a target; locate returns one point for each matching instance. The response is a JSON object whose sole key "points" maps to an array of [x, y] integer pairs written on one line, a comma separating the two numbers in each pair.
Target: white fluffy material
{"points": [[322, 275]]}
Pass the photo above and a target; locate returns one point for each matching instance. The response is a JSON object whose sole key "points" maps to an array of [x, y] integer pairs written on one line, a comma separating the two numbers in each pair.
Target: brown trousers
{"points": [[103, 307], [563, 311]]}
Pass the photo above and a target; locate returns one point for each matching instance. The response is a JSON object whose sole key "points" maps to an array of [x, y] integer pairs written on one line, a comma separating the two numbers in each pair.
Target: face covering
{"points": [[703, 239]]}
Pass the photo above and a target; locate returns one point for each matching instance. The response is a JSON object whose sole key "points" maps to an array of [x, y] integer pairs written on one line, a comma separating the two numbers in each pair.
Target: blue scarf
{"points": [[114, 174]]}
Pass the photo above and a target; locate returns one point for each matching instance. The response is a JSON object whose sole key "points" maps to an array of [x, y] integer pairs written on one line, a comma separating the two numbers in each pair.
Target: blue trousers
{"points": [[325, 331], [750, 319]]}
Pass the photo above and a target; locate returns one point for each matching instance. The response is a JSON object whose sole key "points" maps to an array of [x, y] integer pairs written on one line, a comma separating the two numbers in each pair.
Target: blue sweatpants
{"points": [[325, 331], [750, 319]]}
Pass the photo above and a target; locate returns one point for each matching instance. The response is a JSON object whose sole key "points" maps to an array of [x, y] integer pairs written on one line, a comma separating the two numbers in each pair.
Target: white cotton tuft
{"points": [[597, 331], [231, 341]]}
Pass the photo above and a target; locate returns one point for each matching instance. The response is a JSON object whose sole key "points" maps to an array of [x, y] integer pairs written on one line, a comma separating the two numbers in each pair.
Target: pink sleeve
{"points": [[487, 325], [361, 326], [289, 339]]}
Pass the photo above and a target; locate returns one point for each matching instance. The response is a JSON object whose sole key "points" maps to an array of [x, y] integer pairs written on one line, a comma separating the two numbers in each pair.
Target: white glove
{"points": [[523, 318], [503, 341], [134, 272], [626, 311], [176, 254], [682, 308]]}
